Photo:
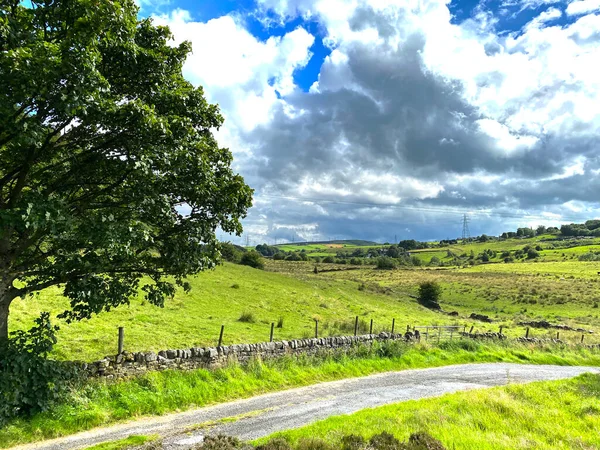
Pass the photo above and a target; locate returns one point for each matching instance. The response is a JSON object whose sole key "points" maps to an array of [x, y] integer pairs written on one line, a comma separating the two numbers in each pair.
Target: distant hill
{"points": [[355, 242]]}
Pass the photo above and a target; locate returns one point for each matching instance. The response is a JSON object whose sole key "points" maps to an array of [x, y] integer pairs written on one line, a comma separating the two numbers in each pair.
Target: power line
{"points": [[466, 234]]}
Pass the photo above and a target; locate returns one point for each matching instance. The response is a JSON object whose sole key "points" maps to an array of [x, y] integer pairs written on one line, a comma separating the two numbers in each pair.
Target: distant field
{"points": [[563, 291], [560, 292], [546, 415]]}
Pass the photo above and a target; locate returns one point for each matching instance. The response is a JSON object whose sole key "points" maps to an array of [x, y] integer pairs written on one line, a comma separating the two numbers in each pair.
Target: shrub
{"points": [[314, 444], [386, 263], [247, 317], [415, 261], [384, 441], [429, 294], [329, 259], [532, 253], [434, 261], [220, 442], [252, 259], [231, 252], [275, 444], [279, 256], [29, 381], [293, 256], [353, 442]]}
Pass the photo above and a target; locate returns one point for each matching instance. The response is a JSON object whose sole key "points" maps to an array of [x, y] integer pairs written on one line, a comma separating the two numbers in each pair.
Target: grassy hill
{"points": [[553, 287], [220, 297]]}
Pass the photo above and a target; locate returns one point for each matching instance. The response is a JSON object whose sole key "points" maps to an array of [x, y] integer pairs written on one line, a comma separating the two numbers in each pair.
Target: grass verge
{"points": [[100, 403], [123, 444], [545, 415]]}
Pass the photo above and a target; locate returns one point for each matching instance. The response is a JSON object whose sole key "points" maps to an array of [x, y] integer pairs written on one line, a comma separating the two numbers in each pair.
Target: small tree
{"points": [[253, 259], [429, 294], [386, 263]]}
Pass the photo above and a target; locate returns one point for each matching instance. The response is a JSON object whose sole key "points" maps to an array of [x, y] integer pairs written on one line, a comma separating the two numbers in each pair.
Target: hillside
{"points": [[220, 297]]}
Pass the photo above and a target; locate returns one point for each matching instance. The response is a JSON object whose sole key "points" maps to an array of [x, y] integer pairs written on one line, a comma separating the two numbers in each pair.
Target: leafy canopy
{"points": [[110, 177]]}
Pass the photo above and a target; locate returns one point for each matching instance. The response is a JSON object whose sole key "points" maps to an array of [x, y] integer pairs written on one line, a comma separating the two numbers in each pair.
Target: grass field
{"points": [[103, 402], [222, 297], [560, 292], [565, 292], [545, 415]]}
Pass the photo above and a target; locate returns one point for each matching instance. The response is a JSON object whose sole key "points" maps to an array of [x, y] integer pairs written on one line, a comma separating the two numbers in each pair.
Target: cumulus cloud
{"points": [[413, 119], [583, 7]]}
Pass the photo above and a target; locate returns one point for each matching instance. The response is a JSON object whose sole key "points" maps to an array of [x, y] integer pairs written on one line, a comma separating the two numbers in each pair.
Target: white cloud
{"points": [[583, 7], [238, 71], [409, 108]]}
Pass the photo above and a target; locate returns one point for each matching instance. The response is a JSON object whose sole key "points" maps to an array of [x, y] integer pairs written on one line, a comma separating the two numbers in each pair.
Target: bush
{"points": [[532, 253], [29, 381], [247, 317], [415, 261], [275, 444], [429, 294], [384, 441], [434, 261], [231, 252], [220, 442], [329, 259], [279, 256], [293, 257], [386, 263], [252, 259]]}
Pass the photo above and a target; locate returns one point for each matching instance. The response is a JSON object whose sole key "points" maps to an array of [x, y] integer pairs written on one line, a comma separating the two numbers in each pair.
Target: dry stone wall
{"points": [[130, 364]]}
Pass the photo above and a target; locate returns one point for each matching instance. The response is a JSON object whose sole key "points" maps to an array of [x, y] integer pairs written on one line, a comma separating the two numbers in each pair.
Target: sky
{"points": [[391, 119]]}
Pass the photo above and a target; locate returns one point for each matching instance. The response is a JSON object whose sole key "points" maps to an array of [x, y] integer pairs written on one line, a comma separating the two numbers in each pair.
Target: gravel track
{"points": [[265, 414]]}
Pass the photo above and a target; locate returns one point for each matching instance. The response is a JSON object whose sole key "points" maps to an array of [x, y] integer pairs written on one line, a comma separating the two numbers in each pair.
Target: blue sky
{"points": [[369, 119]]}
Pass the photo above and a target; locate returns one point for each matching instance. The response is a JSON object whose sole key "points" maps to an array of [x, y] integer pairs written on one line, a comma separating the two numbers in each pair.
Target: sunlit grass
{"points": [[546, 415]]}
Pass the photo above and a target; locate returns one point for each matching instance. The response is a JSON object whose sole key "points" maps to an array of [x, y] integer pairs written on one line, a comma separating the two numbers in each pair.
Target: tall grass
{"points": [[104, 402]]}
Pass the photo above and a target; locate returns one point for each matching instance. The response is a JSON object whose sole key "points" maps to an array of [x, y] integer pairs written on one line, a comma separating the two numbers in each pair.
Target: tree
{"points": [[386, 263], [110, 177], [429, 294], [231, 252], [252, 259]]}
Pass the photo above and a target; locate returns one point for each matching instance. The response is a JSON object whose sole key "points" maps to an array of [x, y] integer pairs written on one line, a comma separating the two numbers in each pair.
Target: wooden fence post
{"points": [[439, 334], [221, 336], [371, 327], [121, 340], [471, 330], [393, 325], [582, 336], [407, 328], [501, 326], [527, 333], [272, 328], [557, 335], [356, 326], [316, 328]]}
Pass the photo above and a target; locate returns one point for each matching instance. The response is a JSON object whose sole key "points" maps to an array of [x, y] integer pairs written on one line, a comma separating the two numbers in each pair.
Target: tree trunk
{"points": [[4, 305]]}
